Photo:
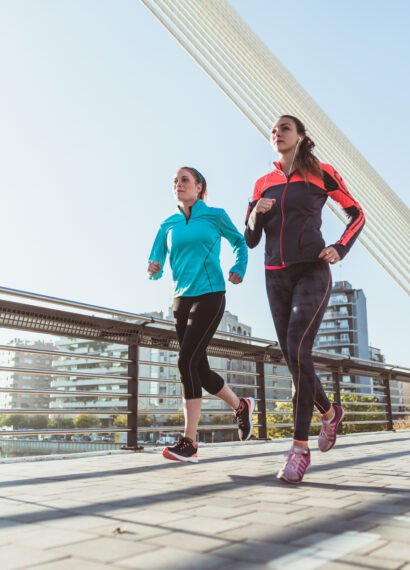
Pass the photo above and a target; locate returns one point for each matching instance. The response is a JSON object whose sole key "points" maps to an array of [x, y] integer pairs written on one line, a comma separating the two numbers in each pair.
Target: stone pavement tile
{"points": [[391, 532], [145, 516], [217, 512], [103, 549], [128, 530], [394, 550], [171, 558], [370, 519], [233, 564], [325, 502], [368, 549], [268, 507], [344, 564], [264, 533], [311, 539], [257, 552], [221, 501], [273, 497], [382, 507], [8, 528], [73, 564], [205, 525], [175, 506], [45, 537], [24, 557], [188, 541], [79, 522], [276, 519], [372, 562]]}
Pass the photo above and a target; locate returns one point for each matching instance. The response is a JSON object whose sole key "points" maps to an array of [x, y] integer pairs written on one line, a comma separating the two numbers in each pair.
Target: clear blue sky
{"points": [[99, 105]]}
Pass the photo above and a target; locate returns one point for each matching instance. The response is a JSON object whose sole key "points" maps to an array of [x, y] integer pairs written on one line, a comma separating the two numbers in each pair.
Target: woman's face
{"points": [[284, 137], [186, 188]]}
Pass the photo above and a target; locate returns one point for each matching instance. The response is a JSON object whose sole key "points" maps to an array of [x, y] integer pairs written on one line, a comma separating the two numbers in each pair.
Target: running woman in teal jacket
{"points": [[192, 239]]}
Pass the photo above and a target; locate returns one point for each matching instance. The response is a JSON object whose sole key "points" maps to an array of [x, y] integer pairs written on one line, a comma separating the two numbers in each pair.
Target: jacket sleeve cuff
{"points": [[341, 250]]}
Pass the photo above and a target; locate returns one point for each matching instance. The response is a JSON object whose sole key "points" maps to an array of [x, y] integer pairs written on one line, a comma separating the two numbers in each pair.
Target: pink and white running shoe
{"points": [[327, 435], [296, 463]]}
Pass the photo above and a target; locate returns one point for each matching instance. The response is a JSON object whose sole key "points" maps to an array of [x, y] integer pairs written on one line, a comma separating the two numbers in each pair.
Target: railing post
{"points": [[336, 383], [389, 411], [336, 374], [261, 394], [132, 418]]}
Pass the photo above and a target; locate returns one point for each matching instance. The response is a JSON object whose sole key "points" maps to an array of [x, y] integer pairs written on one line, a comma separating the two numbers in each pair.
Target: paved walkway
{"points": [[138, 511]]}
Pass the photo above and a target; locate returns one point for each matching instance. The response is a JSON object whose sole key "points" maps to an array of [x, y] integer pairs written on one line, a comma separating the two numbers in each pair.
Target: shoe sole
{"points": [[174, 457], [338, 423], [292, 482], [251, 408]]}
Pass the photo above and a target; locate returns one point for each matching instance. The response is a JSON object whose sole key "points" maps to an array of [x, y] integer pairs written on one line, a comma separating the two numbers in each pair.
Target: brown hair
{"points": [[305, 161], [199, 179]]}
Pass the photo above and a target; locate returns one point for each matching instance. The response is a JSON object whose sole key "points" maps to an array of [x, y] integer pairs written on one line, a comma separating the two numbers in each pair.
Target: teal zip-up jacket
{"points": [[194, 245]]}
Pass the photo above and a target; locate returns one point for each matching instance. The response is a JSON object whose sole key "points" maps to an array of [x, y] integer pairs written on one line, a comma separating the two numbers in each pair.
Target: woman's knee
{"points": [[212, 383]]}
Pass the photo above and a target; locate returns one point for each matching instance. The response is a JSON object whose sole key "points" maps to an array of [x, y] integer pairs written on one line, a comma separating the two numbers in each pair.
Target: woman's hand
{"points": [[235, 278], [264, 205], [329, 254], [153, 267]]}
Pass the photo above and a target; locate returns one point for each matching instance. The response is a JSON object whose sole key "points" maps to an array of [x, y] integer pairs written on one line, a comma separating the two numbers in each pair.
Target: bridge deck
{"points": [[129, 510]]}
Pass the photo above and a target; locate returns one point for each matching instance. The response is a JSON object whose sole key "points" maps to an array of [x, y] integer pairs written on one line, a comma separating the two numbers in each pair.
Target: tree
{"points": [[21, 421], [175, 420], [375, 411], [60, 422], [86, 421]]}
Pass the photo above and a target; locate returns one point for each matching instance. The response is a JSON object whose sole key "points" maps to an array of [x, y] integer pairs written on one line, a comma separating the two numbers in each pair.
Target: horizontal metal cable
{"points": [[73, 373], [175, 16], [60, 354], [64, 411], [209, 27], [62, 431], [70, 393]]}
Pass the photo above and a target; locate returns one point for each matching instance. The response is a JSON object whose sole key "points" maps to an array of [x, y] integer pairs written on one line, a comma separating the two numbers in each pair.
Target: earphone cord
{"points": [[293, 159]]}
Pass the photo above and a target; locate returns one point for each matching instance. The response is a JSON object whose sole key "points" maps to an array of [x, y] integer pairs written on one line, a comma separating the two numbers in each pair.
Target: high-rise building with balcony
{"points": [[159, 387], [344, 331], [30, 380]]}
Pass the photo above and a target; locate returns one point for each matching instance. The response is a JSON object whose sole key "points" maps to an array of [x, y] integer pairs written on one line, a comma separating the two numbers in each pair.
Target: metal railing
{"points": [[125, 382]]}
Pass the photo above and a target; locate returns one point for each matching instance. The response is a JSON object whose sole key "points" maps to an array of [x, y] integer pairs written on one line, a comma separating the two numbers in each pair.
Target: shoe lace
{"points": [[293, 458], [183, 443], [239, 416], [329, 429]]}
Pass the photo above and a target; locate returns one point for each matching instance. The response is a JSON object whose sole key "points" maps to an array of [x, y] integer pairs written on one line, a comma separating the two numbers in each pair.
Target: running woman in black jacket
{"points": [[286, 205]]}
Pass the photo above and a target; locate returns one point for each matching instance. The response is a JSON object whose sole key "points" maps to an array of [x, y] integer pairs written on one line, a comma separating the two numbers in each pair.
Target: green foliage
{"points": [[120, 421], [20, 421], [220, 419], [272, 418], [175, 420], [60, 422], [352, 402], [86, 421], [370, 404], [146, 420]]}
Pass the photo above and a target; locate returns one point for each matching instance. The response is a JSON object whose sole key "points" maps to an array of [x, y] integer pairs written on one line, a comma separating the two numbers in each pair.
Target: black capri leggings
{"points": [[196, 320], [298, 297]]}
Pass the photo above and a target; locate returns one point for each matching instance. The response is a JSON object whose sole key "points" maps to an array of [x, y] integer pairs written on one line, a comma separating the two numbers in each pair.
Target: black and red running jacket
{"points": [[292, 226]]}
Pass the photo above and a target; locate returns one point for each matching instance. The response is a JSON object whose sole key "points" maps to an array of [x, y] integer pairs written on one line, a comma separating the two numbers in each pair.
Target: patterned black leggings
{"points": [[196, 320], [298, 296]]}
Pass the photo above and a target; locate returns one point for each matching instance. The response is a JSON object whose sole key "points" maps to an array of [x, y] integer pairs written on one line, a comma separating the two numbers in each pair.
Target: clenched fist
{"points": [[153, 267], [264, 205]]}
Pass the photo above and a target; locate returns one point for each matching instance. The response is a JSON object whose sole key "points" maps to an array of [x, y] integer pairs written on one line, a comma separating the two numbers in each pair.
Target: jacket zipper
{"points": [[282, 207]]}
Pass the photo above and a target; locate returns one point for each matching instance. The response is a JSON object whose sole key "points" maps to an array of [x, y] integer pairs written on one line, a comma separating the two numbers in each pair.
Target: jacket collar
{"points": [[198, 207]]}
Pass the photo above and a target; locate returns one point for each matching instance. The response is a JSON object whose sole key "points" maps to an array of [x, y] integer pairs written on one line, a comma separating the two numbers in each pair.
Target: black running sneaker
{"points": [[184, 450], [243, 418]]}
